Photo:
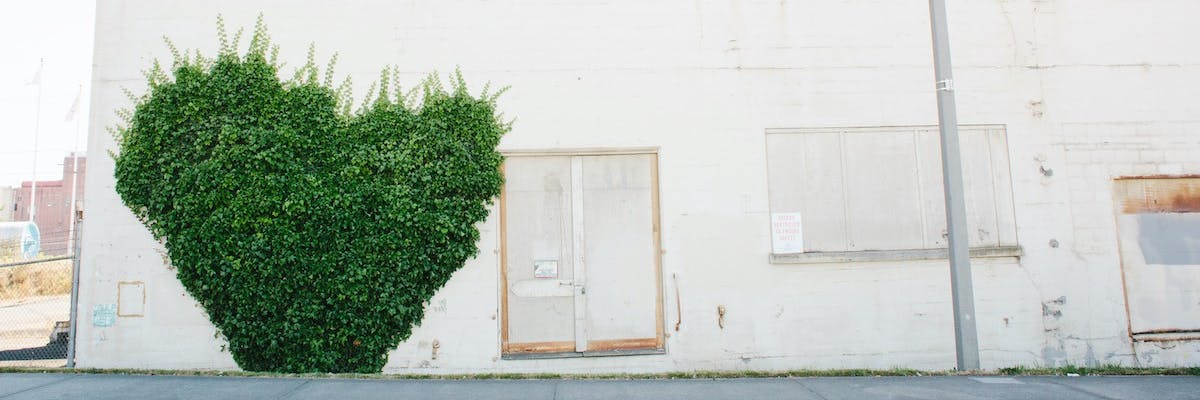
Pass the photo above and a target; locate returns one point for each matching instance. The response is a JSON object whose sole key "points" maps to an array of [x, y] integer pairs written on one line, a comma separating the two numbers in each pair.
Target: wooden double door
{"points": [[580, 255]]}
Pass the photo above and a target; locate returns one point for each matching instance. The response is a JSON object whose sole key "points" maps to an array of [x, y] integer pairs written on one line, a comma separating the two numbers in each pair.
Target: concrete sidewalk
{"points": [[83, 386]]}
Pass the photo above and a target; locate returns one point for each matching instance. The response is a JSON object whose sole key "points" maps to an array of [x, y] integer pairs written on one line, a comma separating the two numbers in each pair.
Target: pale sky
{"points": [[59, 31]]}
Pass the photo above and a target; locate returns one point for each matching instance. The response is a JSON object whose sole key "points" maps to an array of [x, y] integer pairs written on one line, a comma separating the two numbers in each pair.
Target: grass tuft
{"points": [[1104, 369]]}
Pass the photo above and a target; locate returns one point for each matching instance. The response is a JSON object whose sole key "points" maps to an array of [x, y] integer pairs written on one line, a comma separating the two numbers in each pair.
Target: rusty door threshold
{"points": [[1167, 335], [572, 354]]}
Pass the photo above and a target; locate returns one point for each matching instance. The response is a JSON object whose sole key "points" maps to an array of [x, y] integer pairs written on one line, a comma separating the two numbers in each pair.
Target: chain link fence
{"points": [[35, 301]]}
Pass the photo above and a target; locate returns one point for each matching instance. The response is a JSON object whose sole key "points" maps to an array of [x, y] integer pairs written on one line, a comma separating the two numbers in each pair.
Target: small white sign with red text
{"points": [[786, 233]]}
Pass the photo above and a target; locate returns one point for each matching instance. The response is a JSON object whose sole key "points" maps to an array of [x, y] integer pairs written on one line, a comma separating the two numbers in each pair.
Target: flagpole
{"points": [[37, 123]]}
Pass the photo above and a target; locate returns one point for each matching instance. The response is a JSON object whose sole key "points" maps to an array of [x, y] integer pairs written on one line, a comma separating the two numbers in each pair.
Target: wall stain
{"points": [[1052, 308]]}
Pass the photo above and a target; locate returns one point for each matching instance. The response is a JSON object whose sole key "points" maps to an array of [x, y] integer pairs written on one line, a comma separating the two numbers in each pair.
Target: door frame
{"points": [[564, 349]]}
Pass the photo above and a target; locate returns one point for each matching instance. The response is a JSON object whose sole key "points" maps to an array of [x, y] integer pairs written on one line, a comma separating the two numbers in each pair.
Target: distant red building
{"points": [[53, 211]]}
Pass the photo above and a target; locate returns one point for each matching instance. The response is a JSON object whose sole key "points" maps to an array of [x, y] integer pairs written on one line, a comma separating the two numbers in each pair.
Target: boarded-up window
{"points": [[855, 189]]}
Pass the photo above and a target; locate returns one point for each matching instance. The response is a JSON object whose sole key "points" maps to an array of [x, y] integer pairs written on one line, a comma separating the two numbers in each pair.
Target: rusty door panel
{"points": [[1158, 195], [1158, 222]]}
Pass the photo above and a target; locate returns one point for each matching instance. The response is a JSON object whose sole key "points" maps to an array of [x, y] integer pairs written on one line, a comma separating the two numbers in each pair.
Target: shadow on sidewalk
{"points": [[50, 351]]}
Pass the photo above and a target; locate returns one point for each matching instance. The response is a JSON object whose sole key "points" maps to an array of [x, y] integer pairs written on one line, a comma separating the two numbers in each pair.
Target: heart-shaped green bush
{"points": [[312, 236]]}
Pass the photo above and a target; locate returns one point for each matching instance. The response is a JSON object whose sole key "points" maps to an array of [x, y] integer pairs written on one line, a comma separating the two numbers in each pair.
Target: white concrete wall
{"points": [[1088, 88]]}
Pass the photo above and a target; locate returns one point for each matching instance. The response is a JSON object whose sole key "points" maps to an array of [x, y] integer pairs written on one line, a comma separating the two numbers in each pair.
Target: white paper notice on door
{"points": [[543, 269], [786, 234]]}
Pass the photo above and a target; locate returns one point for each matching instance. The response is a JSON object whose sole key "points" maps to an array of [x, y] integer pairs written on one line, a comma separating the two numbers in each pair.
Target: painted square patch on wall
{"points": [[104, 315], [131, 299]]}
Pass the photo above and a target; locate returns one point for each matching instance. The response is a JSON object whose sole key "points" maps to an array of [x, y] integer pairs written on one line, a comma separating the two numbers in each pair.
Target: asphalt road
{"points": [[82, 386]]}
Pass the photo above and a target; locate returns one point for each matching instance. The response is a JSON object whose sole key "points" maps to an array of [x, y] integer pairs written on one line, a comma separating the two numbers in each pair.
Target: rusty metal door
{"points": [[580, 255], [1158, 222]]}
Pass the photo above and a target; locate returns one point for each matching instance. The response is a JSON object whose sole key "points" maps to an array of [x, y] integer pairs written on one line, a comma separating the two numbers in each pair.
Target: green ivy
{"points": [[313, 236]]}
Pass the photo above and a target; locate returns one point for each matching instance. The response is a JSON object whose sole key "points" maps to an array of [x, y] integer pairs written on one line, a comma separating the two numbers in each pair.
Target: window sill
{"points": [[826, 257]]}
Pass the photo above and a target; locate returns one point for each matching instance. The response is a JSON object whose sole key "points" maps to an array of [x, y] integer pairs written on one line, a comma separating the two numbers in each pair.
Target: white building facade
{"points": [[743, 185]]}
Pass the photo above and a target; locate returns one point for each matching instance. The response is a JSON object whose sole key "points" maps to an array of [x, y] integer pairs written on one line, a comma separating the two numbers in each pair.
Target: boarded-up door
{"points": [[1158, 220], [580, 255]]}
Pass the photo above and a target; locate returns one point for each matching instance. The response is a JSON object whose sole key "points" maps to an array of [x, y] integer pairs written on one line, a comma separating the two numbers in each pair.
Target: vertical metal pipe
{"points": [[962, 294], [71, 340]]}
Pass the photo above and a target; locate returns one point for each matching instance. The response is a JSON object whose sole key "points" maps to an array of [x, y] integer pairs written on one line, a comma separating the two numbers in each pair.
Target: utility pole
{"points": [[966, 340]]}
